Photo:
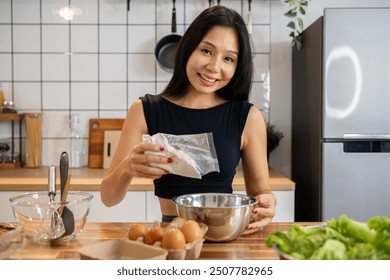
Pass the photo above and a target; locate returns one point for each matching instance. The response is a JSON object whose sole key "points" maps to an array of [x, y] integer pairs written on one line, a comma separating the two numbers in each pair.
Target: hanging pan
{"points": [[166, 47]]}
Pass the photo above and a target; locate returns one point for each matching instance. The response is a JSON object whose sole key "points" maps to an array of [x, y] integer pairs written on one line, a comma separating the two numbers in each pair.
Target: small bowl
{"points": [[226, 215], [30, 208]]}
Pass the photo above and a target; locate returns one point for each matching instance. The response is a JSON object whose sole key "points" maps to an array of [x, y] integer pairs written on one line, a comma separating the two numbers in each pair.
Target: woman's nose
{"points": [[214, 64]]}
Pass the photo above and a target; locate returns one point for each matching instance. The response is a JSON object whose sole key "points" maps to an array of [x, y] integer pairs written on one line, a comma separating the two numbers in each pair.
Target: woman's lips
{"points": [[209, 80]]}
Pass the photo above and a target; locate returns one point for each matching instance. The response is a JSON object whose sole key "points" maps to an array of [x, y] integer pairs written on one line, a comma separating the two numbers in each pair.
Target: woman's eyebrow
{"points": [[213, 46]]}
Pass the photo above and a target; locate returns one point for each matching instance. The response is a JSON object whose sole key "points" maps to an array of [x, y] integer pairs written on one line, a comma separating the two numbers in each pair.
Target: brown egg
{"points": [[137, 230], [155, 234], [192, 231], [173, 239]]}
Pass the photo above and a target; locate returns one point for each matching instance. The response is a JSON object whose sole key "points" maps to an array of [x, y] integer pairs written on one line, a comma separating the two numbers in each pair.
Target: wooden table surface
{"points": [[248, 247]]}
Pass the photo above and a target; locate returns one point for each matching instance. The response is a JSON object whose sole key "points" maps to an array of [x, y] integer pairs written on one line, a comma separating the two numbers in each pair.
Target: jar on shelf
{"points": [[8, 107], [1, 99], [5, 149], [33, 122]]}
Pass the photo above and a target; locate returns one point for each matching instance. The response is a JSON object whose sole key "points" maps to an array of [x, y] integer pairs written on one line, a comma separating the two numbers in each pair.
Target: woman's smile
{"points": [[210, 81]]}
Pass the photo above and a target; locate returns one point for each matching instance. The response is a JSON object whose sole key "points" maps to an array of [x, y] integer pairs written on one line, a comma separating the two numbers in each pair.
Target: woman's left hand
{"points": [[262, 214]]}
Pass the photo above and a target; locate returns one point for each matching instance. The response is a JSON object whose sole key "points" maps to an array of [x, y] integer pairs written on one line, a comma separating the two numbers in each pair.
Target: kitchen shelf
{"points": [[10, 117]]}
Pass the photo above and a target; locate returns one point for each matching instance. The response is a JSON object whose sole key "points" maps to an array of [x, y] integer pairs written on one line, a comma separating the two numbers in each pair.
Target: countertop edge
{"points": [[87, 179]]}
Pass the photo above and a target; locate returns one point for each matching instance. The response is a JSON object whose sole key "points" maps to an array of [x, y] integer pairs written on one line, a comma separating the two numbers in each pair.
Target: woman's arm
{"points": [[129, 159], [255, 169]]}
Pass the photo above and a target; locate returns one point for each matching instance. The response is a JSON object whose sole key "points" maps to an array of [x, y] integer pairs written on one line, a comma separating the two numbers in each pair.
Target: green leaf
{"points": [[291, 24], [297, 42], [291, 14], [296, 7], [300, 23]]}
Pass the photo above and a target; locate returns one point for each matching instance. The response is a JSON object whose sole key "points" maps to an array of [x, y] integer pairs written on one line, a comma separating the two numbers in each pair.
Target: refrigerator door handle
{"points": [[366, 136], [366, 146]]}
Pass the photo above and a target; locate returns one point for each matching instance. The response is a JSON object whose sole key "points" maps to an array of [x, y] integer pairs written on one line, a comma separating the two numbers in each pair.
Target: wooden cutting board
{"points": [[96, 139], [111, 140]]}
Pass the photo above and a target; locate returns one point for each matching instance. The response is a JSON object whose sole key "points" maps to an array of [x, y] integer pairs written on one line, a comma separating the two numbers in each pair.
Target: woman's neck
{"points": [[198, 100]]}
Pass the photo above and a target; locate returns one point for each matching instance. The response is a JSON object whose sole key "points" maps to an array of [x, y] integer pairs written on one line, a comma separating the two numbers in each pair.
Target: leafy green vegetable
{"points": [[315, 239], [382, 227], [350, 228], [331, 250], [366, 251], [341, 238]]}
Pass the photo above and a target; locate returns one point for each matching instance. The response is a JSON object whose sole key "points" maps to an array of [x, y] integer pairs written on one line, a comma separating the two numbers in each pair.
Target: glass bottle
{"points": [[76, 143]]}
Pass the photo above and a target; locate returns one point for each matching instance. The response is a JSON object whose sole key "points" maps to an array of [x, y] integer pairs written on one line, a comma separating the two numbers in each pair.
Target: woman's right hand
{"points": [[138, 163]]}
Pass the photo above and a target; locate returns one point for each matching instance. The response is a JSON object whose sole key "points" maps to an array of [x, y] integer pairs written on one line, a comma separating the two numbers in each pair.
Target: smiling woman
{"points": [[208, 93]]}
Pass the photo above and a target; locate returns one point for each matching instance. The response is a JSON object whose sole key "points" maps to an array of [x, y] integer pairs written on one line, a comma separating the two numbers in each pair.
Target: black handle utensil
{"points": [[66, 213]]}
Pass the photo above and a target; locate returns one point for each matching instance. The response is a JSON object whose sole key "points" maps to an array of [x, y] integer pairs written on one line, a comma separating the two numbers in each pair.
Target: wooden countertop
{"points": [[89, 179], [246, 247]]}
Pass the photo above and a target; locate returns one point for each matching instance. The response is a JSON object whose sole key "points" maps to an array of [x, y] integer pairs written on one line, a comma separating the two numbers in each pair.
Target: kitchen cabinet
{"points": [[142, 206], [140, 203], [131, 209]]}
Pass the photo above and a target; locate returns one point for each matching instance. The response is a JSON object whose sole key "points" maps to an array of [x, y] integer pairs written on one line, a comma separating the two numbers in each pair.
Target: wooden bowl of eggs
{"points": [[183, 239]]}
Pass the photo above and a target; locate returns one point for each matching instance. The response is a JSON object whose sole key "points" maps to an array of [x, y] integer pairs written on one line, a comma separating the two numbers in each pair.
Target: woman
{"points": [[208, 92]]}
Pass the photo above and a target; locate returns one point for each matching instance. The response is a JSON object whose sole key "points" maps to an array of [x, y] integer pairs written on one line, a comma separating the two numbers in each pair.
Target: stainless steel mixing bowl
{"points": [[226, 215]]}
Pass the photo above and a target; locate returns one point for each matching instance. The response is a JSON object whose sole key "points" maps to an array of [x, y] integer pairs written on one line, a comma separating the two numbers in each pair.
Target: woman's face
{"points": [[213, 63]]}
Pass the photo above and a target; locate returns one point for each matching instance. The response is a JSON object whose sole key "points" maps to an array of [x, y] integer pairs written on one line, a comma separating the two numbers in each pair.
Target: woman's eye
{"points": [[206, 51], [229, 59]]}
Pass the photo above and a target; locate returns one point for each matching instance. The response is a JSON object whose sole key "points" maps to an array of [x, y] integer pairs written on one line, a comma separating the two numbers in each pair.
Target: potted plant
{"points": [[297, 8], [273, 138]]}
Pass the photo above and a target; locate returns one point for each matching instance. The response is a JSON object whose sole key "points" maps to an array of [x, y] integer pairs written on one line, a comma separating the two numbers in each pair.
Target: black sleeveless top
{"points": [[225, 121]]}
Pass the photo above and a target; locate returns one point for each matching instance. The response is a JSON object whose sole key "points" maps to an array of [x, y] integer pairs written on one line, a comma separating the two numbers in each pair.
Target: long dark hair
{"points": [[240, 85]]}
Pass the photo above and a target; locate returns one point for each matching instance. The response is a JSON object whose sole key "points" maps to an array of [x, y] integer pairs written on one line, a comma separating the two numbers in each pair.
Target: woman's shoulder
{"points": [[242, 103], [150, 98], [242, 106], [255, 116]]}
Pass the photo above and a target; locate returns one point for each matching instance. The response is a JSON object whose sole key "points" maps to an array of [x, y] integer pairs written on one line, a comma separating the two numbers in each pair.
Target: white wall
{"points": [[97, 64], [113, 59]]}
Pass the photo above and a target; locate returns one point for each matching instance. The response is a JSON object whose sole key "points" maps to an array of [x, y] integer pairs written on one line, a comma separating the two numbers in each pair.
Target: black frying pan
{"points": [[166, 47]]}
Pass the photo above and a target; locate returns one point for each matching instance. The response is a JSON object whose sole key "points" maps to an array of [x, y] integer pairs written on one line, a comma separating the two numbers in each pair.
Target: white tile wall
{"points": [[55, 96], [112, 38], [100, 62], [26, 38], [55, 38], [55, 67], [26, 67]]}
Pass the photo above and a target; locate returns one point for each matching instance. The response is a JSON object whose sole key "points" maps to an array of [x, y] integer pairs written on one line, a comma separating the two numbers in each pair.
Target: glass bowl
{"points": [[31, 208]]}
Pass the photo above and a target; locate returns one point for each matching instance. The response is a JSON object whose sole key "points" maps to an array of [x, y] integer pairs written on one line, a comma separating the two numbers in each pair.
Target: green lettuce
{"points": [[366, 251], [360, 232], [331, 250], [382, 227], [342, 238]]}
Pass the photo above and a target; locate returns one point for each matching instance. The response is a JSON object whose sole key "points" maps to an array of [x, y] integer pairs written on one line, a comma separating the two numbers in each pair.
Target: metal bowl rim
{"points": [[253, 200]]}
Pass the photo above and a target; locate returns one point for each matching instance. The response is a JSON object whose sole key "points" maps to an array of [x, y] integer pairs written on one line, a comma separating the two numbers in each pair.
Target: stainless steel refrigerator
{"points": [[341, 116]]}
